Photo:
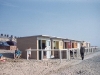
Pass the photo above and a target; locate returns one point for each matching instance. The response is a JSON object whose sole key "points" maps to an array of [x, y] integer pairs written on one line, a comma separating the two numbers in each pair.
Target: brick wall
{"points": [[13, 47]]}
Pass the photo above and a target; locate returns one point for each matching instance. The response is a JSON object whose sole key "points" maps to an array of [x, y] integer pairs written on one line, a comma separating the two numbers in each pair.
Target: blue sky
{"points": [[74, 19]]}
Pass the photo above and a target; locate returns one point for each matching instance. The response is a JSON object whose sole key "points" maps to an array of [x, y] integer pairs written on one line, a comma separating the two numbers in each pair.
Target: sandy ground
{"points": [[89, 66]]}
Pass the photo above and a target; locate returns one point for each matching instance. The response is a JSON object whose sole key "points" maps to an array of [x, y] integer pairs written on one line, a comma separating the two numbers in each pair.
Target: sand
{"points": [[89, 66]]}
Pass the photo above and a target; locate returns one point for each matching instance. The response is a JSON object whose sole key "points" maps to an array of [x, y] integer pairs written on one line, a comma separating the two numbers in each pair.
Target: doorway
{"points": [[42, 44], [56, 44]]}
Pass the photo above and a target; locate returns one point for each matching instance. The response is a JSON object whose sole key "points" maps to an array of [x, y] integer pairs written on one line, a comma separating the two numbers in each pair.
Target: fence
{"points": [[75, 51]]}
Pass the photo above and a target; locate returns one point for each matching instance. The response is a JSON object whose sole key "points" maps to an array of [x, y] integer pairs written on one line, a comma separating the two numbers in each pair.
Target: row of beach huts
{"points": [[39, 42]]}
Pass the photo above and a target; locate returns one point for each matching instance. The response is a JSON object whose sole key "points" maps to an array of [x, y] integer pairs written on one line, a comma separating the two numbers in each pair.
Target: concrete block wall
{"points": [[24, 43]]}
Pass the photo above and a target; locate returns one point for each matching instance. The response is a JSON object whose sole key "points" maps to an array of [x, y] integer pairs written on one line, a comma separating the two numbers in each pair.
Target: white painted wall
{"points": [[78, 45]]}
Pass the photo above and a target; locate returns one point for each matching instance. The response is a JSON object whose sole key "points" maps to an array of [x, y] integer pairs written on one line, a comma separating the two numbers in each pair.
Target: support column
{"points": [[42, 54], [79, 52], [73, 53], [85, 52], [52, 51], [88, 50], [41, 51], [69, 54], [60, 56], [27, 55], [92, 50]]}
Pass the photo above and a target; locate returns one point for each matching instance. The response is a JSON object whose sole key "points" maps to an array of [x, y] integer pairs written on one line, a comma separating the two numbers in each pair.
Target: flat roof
{"points": [[47, 36], [52, 37]]}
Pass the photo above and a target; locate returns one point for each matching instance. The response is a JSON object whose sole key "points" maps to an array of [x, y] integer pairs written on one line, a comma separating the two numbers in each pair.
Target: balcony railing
{"points": [[75, 52]]}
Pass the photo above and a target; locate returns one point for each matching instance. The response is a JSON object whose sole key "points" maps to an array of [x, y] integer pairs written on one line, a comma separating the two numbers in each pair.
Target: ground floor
{"points": [[49, 45]]}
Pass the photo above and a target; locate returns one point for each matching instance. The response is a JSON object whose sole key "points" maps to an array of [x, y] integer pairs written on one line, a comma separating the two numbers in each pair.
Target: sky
{"points": [[73, 19]]}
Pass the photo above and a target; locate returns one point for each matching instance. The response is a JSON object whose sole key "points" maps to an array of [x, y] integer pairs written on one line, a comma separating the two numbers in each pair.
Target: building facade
{"points": [[44, 42]]}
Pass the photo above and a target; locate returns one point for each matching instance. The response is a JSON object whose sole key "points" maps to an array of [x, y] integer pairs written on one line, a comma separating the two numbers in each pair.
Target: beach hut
{"points": [[49, 43], [56, 43], [87, 44], [67, 43], [35, 42], [73, 44], [79, 44]]}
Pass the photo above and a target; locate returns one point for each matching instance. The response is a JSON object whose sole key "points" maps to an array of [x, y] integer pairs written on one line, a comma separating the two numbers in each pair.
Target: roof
{"points": [[11, 43], [78, 41], [36, 36], [3, 43], [51, 37], [47, 36]]}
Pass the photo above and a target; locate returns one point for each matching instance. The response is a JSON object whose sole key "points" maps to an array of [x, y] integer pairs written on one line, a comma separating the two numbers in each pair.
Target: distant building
{"points": [[8, 43]]}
